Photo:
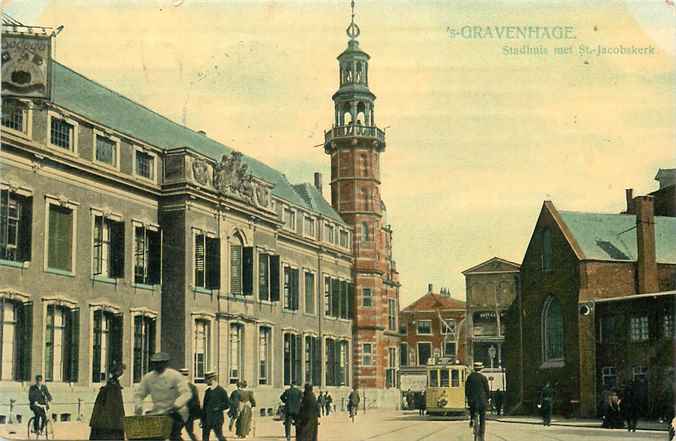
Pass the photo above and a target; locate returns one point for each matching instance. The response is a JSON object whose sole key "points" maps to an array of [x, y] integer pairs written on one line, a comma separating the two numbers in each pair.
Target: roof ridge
{"points": [[143, 106]]}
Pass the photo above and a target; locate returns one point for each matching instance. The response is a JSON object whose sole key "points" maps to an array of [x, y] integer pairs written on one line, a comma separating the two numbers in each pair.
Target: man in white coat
{"points": [[169, 391]]}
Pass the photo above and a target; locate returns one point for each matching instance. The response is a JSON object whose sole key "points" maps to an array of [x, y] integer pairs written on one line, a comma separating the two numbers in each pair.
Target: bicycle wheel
{"points": [[30, 434], [49, 430]]}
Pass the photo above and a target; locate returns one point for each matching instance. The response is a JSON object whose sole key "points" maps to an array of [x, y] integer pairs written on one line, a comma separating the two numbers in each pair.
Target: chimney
{"points": [[318, 181], [646, 265], [629, 193], [430, 288]]}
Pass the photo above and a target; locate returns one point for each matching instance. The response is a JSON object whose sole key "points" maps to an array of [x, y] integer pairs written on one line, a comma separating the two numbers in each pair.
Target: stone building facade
{"points": [[491, 289], [123, 233], [595, 309]]}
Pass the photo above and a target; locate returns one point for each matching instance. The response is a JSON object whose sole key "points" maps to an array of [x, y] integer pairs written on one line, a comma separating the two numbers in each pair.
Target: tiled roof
{"points": [[613, 236], [315, 201], [87, 98], [431, 301]]}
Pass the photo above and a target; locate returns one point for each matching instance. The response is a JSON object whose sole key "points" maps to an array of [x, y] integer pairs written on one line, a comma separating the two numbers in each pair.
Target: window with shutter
{"points": [[10, 329], [274, 278], [60, 239], [295, 289], [263, 277], [200, 265], [309, 293], [235, 269], [335, 298], [247, 271], [147, 256], [213, 263], [327, 296], [350, 301], [144, 345], [15, 226], [287, 287]]}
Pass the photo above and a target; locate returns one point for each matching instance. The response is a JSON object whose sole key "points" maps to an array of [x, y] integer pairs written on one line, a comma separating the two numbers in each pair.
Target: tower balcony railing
{"points": [[353, 130]]}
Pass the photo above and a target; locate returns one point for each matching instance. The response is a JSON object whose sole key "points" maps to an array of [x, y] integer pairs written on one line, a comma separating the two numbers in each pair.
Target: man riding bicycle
{"points": [[169, 391], [39, 398], [477, 392]]}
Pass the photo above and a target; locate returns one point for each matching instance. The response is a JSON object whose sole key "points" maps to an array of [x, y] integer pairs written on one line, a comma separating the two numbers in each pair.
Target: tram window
{"points": [[434, 378], [455, 378], [444, 378]]}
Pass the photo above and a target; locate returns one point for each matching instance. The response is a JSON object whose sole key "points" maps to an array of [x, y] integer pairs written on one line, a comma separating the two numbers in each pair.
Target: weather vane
{"points": [[353, 30]]}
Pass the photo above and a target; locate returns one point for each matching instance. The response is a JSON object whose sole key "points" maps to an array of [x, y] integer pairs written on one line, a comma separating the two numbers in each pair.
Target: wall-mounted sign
{"points": [[26, 65]]}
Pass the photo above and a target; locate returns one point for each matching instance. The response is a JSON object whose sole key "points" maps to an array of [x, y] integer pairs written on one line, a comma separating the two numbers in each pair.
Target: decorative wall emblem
{"points": [[200, 171], [25, 65], [232, 178]]}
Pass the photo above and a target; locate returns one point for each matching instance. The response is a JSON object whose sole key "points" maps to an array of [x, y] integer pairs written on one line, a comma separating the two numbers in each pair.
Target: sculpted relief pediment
{"points": [[231, 177]]}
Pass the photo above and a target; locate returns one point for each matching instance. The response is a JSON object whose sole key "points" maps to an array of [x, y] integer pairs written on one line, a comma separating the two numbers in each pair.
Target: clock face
{"points": [[25, 65]]}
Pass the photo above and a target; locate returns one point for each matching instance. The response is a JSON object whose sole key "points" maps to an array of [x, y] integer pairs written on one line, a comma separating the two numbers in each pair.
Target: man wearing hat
{"points": [[477, 392], [215, 403], [194, 410], [169, 391], [291, 399]]}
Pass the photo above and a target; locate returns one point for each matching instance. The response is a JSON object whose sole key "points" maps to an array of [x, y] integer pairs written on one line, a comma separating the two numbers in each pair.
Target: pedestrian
{"points": [[546, 403], [328, 402], [246, 405], [321, 400], [291, 399], [194, 410], [308, 417], [169, 391], [423, 402], [603, 406], [410, 399], [106, 421], [629, 406], [353, 401], [38, 401], [614, 415], [498, 400], [477, 392], [215, 403], [234, 409]]}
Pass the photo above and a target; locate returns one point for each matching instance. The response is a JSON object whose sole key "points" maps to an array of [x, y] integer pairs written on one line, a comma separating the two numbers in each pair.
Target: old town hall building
{"points": [[123, 233]]}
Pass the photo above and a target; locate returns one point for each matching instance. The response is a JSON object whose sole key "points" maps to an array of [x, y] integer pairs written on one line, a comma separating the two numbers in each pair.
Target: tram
{"points": [[445, 392]]}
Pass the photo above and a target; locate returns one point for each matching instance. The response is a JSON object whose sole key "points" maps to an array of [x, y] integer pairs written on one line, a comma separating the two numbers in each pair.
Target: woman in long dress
{"points": [[246, 404], [106, 420], [308, 419]]}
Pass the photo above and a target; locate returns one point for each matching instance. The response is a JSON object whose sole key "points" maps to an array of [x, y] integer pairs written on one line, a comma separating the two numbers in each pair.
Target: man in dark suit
{"points": [[215, 403], [38, 399], [194, 410], [477, 392], [291, 399]]}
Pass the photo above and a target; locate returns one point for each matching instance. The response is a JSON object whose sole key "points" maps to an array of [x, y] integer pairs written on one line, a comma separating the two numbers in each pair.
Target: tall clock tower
{"points": [[355, 144]]}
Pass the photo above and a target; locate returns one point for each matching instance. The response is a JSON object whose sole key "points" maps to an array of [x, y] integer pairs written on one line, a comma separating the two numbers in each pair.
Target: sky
{"points": [[477, 139]]}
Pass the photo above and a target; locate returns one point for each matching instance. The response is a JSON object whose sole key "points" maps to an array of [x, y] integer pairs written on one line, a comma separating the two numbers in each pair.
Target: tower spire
{"points": [[353, 30]]}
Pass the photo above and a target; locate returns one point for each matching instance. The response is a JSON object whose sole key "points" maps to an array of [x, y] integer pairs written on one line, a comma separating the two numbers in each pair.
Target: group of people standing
{"points": [[174, 396], [302, 410], [620, 406]]}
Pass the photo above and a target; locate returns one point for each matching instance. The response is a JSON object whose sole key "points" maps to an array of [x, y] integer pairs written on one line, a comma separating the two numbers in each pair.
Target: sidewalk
{"points": [[267, 428], [573, 422]]}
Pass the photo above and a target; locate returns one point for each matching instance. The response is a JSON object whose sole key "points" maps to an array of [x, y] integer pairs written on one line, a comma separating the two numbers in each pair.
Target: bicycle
{"points": [[45, 432]]}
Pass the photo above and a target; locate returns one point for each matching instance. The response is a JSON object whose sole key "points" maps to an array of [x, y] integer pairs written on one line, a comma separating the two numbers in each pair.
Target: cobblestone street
{"points": [[405, 426]]}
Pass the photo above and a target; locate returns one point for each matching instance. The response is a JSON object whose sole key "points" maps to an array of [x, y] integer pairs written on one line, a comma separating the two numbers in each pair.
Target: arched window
{"points": [[365, 231], [546, 249], [552, 330], [361, 114]]}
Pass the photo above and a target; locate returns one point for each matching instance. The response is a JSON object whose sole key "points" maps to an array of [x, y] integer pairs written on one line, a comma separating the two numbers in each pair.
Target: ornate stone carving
{"points": [[232, 178], [200, 171]]}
